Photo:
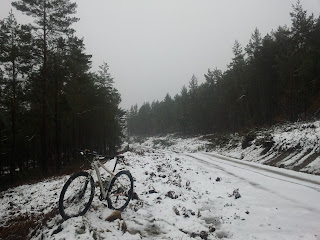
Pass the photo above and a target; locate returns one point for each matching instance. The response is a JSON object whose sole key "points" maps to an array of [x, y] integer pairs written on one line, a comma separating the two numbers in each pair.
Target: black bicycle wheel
{"points": [[76, 195], [120, 190]]}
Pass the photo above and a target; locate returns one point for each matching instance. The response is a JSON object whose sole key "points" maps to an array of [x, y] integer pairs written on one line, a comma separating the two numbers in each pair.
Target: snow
{"points": [[298, 140], [186, 192], [313, 167]]}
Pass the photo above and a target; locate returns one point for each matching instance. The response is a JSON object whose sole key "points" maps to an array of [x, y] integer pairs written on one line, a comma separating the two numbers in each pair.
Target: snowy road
{"points": [[286, 202]]}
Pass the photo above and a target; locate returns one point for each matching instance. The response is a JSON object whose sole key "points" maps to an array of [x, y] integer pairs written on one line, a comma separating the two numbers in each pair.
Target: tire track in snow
{"points": [[254, 184], [225, 160]]}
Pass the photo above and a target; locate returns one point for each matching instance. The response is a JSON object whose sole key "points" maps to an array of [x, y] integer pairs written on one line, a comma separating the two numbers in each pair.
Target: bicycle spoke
{"points": [[119, 191], [76, 196]]}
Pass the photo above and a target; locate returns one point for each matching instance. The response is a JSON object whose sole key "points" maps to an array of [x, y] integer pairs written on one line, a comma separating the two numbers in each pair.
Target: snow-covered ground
{"points": [[294, 146], [184, 192]]}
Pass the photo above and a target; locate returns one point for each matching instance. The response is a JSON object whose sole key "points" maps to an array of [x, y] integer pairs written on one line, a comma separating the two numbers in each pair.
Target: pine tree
{"points": [[302, 26], [193, 84], [254, 45], [15, 45], [52, 19], [213, 77], [112, 115]]}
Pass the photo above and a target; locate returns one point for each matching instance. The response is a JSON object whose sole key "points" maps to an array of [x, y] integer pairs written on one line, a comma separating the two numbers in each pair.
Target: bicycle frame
{"points": [[95, 165]]}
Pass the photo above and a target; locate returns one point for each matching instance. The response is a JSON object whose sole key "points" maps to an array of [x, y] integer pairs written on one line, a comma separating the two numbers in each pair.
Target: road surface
{"points": [[285, 201]]}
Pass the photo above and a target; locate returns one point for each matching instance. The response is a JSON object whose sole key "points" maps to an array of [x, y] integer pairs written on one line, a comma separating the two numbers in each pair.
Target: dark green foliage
{"points": [[15, 48], [276, 79], [219, 139], [247, 140], [52, 21], [50, 102]]}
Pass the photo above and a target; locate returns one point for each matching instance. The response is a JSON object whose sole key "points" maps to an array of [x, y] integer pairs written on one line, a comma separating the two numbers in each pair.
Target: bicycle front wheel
{"points": [[120, 190], [76, 195]]}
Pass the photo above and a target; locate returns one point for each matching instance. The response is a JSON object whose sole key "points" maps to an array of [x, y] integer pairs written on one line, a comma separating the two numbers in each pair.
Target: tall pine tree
{"points": [[52, 19], [15, 46]]}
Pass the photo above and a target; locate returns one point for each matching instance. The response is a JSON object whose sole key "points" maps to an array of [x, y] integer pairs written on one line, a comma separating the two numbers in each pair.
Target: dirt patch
{"points": [[309, 160], [25, 226], [277, 159]]}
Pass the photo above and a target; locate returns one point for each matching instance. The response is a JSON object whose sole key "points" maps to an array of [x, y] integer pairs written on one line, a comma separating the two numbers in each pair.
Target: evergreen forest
{"points": [[272, 79], [51, 103]]}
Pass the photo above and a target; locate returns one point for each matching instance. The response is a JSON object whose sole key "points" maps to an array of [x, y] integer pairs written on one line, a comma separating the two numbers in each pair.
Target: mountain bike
{"points": [[77, 193]]}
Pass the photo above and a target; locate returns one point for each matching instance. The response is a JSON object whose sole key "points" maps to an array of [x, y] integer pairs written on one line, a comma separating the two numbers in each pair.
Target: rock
{"points": [[188, 183], [204, 235], [152, 191], [212, 229], [237, 196], [158, 200], [185, 232], [124, 227], [135, 196], [176, 211], [57, 230], [235, 193], [171, 194], [218, 179], [115, 215], [193, 235], [199, 214]]}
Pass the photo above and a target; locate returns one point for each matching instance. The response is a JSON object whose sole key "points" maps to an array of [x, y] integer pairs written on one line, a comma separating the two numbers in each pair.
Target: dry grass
{"points": [[25, 226]]}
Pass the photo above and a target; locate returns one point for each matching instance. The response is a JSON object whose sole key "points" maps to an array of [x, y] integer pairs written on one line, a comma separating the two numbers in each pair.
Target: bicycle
{"points": [[77, 193]]}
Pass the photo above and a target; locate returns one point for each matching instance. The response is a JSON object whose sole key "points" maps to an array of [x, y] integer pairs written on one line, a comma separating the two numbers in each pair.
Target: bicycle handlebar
{"points": [[101, 157]]}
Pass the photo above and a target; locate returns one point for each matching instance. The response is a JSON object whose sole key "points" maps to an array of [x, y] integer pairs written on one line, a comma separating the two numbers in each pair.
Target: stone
{"points": [[204, 235], [171, 194], [134, 196], [124, 227], [115, 215]]}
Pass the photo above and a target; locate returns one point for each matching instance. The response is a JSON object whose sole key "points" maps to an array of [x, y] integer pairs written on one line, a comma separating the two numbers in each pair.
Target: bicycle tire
{"points": [[117, 197], [76, 193]]}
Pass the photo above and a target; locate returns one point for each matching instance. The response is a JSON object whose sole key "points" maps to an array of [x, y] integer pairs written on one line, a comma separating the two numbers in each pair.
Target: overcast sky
{"points": [[153, 47]]}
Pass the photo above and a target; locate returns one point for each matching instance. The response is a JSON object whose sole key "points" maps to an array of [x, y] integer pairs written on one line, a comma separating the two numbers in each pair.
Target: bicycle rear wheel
{"points": [[76, 195], [120, 190]]}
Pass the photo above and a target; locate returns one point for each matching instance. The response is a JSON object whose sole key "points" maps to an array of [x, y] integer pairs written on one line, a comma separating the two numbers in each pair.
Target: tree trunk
{"points": [[44, 147], [104, 133], [57, 122], [13, 123]]}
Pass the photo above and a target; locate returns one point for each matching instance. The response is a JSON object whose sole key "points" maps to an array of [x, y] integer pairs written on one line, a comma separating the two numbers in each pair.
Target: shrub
{"points": [[162, 142], [247, 140]]}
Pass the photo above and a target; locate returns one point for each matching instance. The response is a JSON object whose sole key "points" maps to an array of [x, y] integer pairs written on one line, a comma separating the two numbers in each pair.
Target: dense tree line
{"points": [[50, 102], [274, 78]]}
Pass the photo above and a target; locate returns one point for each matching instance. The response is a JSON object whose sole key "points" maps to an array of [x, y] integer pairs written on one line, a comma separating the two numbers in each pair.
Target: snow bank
{"points": [[295, 146]]}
